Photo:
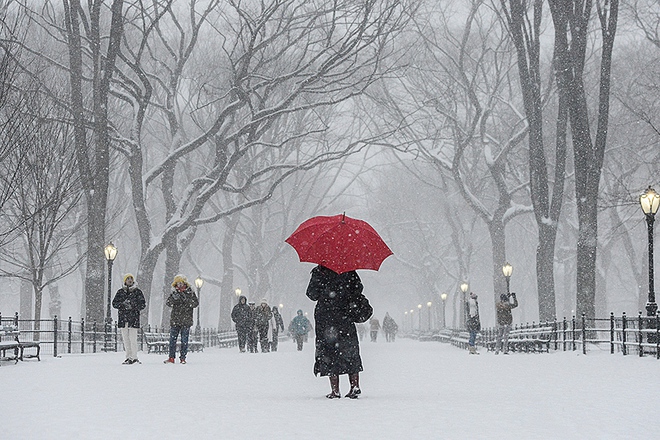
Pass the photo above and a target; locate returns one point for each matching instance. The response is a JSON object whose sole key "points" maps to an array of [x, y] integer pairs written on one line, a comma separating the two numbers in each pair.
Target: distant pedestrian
{"points": [[129, 301], [362, 330], [183, 300], [263, 314], [389, 328], [242, 317], [276, 325], [374, 326], [253, 333], [504, 321], [299, 327], [339, 305], [472, 323]]}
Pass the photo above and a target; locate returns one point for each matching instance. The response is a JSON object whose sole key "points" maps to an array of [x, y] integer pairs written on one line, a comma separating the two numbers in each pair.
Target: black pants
{"points": [[242, 337], [273, 345], [299, 341], [252, 340], [263, 339]]}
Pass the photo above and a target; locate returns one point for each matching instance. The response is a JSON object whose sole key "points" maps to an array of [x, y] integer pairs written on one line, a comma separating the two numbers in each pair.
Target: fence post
{"points": [[657, 336], [68, 337], [624, 336], [55, 336], [584, 333], [573, 332], [94, 337], [554, 331], [611, 332], [640, 335], [82, 335], [563, 334]]}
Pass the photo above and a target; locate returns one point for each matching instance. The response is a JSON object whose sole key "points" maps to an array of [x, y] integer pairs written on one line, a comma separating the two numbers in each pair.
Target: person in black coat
{"points": [[242, 317], [183, 300], [129, 301], [277, 325], [339, 305]]}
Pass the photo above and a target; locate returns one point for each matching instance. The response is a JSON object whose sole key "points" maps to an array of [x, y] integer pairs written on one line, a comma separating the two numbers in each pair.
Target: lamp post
{"points": [[238, 294], [428, 305], [110, 252], [443, 297], [412, 322], [464, 288], [199, 282], [419, 309], [507, 270], [650, 202], [405, 318]]}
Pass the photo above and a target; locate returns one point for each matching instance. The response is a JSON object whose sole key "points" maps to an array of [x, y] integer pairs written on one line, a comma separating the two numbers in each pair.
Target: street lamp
{"points": [[110, 252], [405, 318], [507, 270], [419, 309], [199, 282], [464, 288], [650, 202], [443, 297], [238, 294], [429, 304], [412, 322]]}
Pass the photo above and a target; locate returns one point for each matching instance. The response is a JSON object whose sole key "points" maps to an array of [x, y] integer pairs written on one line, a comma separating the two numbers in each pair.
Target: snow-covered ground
{"points": [[411, 390]]}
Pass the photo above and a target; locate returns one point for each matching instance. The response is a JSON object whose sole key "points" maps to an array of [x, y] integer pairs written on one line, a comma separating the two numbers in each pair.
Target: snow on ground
{"points": [[411, 390]]}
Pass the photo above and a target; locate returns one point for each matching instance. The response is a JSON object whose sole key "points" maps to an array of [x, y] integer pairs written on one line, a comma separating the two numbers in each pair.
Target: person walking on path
{"points": [[504, 320], [263, 315], [253, 333], [276, 325], [299, 327], [129, 301], [242, 317], [183, 300], [472, 323], [339, 305], [389, 327], [374, 326]]}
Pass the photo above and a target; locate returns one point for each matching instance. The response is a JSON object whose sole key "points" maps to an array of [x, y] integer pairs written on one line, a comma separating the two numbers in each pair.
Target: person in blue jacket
{"points": [[298, 328]]}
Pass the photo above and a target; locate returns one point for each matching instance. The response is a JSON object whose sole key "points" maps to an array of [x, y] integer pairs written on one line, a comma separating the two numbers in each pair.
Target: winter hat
{"points": [[127, 276], [473, 295], [263, 301], [179, 279], [504, 297]]}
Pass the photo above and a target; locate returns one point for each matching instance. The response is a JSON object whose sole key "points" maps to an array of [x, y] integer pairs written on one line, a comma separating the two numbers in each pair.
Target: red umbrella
{"points": [[339, 243]]}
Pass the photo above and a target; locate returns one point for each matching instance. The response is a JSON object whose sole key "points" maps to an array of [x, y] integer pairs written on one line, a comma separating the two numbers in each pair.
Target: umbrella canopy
{"points": [[339, 243]]}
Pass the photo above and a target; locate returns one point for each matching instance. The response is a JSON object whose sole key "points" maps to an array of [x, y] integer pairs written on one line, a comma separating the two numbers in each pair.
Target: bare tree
{"points": [[571, 20]]}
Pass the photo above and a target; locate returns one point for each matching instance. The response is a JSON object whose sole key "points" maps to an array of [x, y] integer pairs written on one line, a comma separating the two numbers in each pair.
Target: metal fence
{"points": [[57, 337], [638, 335]]}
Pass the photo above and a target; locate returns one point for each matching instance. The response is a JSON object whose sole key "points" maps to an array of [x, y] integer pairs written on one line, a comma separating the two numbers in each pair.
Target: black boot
{"points": [[354, 379], [334, 385]]}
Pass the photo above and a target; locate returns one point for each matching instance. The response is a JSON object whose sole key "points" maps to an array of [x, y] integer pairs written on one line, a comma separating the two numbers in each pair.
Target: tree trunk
{"points": [[227, 288]]}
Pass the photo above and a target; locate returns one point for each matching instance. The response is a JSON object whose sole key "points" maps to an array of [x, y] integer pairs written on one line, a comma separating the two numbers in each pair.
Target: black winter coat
{"points": [[242, 315], [129, 301], [182, 304], [340, 304]]}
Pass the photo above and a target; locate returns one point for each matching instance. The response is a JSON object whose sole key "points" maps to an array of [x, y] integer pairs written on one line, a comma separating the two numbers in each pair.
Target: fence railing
{"points": [[638, 335], [57, 336]]}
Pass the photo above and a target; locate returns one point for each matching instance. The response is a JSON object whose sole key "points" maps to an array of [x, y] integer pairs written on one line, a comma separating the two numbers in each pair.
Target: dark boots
{"points": [[334, 385], [354, 379]]}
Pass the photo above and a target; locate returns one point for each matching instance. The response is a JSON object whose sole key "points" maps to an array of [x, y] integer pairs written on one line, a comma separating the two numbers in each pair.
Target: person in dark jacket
{"points": [[389, 328], [183, 300], [253, 333], [129, 301], [339, 305], [374, 327], [262, 318], [242, 317], [504, 321], [299, 327], [473, 323], [277, 325]]}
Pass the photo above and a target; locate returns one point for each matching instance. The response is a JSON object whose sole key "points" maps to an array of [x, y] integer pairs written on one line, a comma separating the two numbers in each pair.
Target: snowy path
{"points": [[411, 390]]}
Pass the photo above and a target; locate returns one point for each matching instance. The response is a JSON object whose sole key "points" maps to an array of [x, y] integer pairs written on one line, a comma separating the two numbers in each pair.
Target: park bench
{"points": [[530, 339], [9, 341], [160, 343]]}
